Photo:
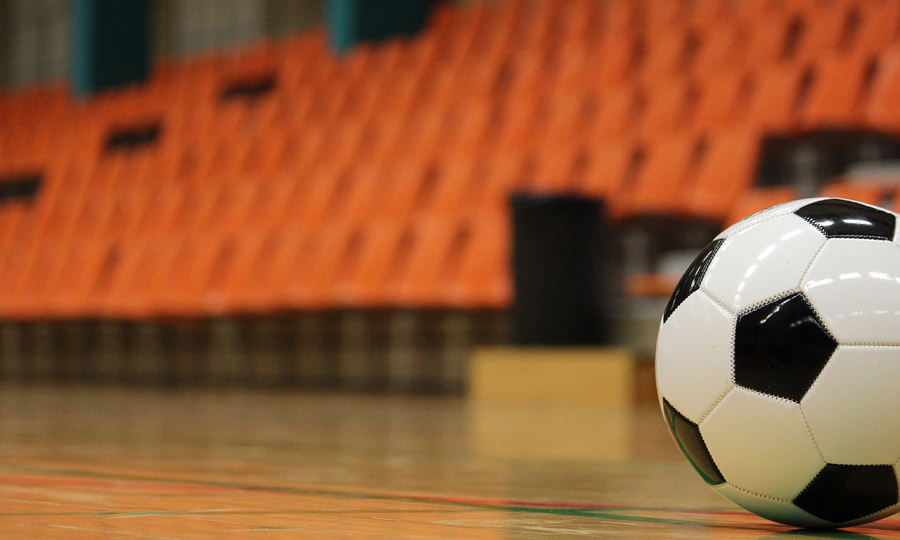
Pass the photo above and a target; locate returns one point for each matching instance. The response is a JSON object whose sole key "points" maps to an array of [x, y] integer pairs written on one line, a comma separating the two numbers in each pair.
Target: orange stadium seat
{"points": [[278, 202], [620, 15], [668, 53], [720, 44], [325, 252], [163, 260], [619, 53], [722, 100], [709, 13], [85, 262], [879, 26], [659, 186], [57, 283], [579, 23], [20, 263], [668, 107], [778, 96], [457, 178], [838, 91], [212, 261], [502, 177], [293, 279], [619, 109], [557, 168], [264, 286], [754, 12], [482, 276], [11, 217], [610, 170], [116, 300], [826, 28], [417, 282], [362, 278], [257, 283], [880, 110], [322, 187], [13, 261], [172, 287], [727, 171], [568, 113], [770, 40], [231, 274], [663, 14]]}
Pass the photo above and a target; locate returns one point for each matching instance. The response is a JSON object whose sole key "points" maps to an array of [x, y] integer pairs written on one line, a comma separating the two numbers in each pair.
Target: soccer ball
{"points": [[778, 363]]}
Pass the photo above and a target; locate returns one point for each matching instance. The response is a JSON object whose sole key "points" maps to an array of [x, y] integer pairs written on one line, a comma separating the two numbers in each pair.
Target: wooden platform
{"points": [[597, 376], [118, 463]]}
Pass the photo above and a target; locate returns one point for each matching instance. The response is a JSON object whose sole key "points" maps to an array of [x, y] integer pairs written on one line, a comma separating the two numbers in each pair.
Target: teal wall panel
{"points": [[352, 21], [111, 44]]}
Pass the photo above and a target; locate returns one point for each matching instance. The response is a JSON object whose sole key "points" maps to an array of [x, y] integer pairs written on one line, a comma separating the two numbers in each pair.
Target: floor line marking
{"points": [[599, 511]]}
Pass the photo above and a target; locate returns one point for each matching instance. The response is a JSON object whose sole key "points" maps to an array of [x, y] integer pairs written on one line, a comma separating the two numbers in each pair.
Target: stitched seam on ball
{"points": [[676, 409], [809, 264], [763, 220], [780, 296], [819, 318], [715, 403], [813, 385], [810, 433], [813, 223], [734, 352], [719, 303], [861, 237], [819, 374], [810, 514], [767, 497], [734, 319], [772, 396]]}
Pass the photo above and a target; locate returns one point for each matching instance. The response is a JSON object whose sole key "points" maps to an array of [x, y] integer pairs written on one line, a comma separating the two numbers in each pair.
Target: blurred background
{"points": [[359, 195]]}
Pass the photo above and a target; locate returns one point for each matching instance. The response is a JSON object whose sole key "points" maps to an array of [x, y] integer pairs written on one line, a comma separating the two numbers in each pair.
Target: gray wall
{"points": [[35, 35], [35, 44]]}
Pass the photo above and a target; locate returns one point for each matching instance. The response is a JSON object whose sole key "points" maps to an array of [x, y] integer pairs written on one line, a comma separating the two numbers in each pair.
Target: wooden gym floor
{"points": [[89, 462]]}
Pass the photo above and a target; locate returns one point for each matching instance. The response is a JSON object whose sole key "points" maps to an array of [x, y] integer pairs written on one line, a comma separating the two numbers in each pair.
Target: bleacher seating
{"points": [[285, 177]]}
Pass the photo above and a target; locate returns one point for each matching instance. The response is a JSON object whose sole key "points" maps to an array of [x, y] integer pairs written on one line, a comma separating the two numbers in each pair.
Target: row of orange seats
{"points": [[555, 137], [425, 263], [314, 90], [622, 107]]}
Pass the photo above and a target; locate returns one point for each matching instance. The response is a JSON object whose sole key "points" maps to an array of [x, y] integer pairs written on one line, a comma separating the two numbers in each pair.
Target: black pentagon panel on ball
{"points": [[841, 493], [692, 277], [781, 347], [687, 435], [839, 218]]}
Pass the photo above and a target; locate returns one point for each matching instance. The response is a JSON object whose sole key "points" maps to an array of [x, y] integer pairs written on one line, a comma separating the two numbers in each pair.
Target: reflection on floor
{"points": [[113, 462]]}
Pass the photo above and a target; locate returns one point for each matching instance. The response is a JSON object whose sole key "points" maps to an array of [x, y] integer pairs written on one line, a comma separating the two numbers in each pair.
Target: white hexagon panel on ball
{"points": [[695, 368], [761, 444], [864, 429], [757, 263], [854, 284]]}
